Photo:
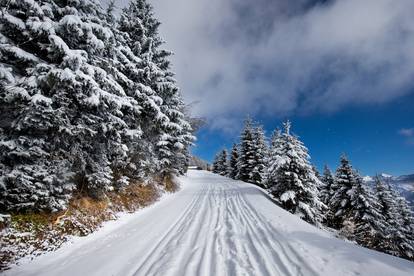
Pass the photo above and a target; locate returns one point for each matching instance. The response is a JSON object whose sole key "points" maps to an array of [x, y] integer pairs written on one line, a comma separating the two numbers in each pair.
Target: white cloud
{"points": [[277, 57], [407, 132]]}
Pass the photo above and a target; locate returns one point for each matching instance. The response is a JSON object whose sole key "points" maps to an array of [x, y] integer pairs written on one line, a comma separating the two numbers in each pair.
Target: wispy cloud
{"points": [[407, 132]]}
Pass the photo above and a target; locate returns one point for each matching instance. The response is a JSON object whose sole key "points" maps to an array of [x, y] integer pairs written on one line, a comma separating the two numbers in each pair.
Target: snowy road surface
{"points": [[213, 226]]}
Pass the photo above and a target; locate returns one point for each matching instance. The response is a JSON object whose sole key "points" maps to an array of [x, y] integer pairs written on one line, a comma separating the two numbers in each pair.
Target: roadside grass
{"points": [[33, 234]]}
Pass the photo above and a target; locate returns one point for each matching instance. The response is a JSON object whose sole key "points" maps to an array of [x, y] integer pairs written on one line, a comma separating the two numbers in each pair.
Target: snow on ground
{"points": [[213, 226]]}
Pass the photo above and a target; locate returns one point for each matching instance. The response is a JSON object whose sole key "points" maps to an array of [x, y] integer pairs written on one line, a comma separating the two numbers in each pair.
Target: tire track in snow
{"points": [[154, 255], [277, 240], [222, 231], [260, 243]]}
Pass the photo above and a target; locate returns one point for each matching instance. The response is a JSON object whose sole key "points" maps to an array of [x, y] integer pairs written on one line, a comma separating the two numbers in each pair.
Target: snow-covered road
{"points": [[213, 226]]}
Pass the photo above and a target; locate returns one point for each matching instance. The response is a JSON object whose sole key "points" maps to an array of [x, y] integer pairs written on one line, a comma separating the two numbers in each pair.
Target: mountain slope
{"points": [[213, 226]]}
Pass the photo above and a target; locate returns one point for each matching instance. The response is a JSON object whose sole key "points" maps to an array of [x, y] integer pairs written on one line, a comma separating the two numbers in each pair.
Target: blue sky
{"points": [[341, 70], [370, 135]]}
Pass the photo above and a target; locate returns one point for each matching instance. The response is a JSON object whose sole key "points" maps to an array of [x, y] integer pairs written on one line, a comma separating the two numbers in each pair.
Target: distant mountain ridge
{"points": [[404, 184]]}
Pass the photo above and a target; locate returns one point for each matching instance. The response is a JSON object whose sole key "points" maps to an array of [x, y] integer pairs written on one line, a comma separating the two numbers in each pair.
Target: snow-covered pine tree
{"points": [[294, 184], [223, 163], [65, 109], [340, 204], [387, 202], [406, 226], [397, 243], [259, 156], [246, 160], [234, 156], [275, 139], [134, 64], [216, 163], [220, 164], [26, 177], [273, 158], [369, 224], [327, 180], [173, 132]]}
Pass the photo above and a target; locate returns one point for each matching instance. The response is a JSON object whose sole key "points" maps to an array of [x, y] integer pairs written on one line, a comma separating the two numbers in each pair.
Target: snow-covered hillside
{"points": [[213, 226]]}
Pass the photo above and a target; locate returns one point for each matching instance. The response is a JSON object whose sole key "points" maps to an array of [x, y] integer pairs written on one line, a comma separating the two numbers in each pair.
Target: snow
{"points": [[93, 100], [39, 98], [14, 20], [213, 226], [288, 195], [6, 73], [21, 54], [367, 178]]}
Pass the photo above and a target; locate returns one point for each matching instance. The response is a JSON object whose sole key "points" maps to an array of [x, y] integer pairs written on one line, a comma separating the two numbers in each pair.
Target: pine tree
{"points": [[327, 182], [398, 242], [246, 159], [340, 204], [59, 56], [220, 164], [224, 168], [259, 156], [274, 158], [216, 163], [370, 224], [406, 226], [174, 133], [294, 184], [233, 168]]}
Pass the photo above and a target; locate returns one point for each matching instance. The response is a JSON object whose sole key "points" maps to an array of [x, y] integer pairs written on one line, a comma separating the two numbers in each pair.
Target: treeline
{"points": [[376, 217], [88, 102]]}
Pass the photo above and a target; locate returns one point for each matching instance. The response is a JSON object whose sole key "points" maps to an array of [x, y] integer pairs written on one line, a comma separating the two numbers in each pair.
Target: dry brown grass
{"points": [[171, 185], [134, 196], [47, 231]]}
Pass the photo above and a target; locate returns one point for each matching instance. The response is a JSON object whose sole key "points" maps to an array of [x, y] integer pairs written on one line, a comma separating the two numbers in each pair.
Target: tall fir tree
{"points": [[369, 224], [224, 163], [397, 242], [406, 226], [58, 103], [340, 204], [259, 156], [327, 180], [246, 159], [293, 183], [234, 156], [216, 163], [274, 158], [172, 131], [220, 165]]}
